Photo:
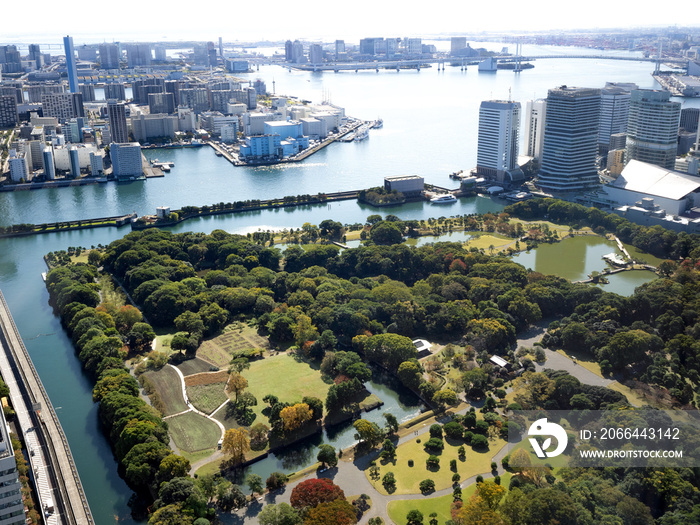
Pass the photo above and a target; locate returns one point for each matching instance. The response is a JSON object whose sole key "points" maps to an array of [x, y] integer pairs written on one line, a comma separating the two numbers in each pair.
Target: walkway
{"points": [[56, 475]]}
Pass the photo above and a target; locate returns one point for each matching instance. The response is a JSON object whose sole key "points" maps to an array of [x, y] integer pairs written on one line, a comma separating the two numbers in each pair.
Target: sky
{"points": [[316, 20]]}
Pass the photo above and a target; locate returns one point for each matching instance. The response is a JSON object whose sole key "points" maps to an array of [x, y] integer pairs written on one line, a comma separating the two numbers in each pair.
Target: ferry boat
{"points": [[362, 132], [378, 124], [446, 198]]}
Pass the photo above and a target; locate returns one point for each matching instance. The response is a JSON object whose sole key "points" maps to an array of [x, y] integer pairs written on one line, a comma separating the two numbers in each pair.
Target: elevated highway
{"points": [[61, 496]]}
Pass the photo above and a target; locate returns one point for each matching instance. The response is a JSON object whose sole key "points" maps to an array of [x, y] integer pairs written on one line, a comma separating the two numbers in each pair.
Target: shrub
{"points": [[497, 480], [480, 479], [494, 466], [432, 462], [456, 477], [436, 431], [479, 441], [468, 437], [427, 485], [461, 452], [435, 444], [453, 430], [389, 480], [453, 465], [504, 462], [482, 427], [410, 462]]}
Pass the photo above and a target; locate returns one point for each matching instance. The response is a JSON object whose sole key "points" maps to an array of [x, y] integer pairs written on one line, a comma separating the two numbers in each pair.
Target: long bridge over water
{"points": [[419, 63], [61, 496]]}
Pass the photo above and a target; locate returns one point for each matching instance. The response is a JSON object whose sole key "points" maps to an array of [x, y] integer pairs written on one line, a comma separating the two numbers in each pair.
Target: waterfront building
{"points": [[285, 129], [71, 65], [96, 164], [74, 162], [115, 90], [161, 103], [229, 133], [157, 125], [339, 48], [535, 111], [213, 121], [19, 166], [288, 51], [186, 120], [116, 113], [236, 65], [49, 166], [254, 123], [62, 156], [8, 111], [498, 142], [570, 139], [63, 106], [109, 56], [414, 46], [652, 128], [614, 109], [409, 185], [314, 128], [315, 53], [261, 147], [457, 44], [126, 160], [298, 52]]}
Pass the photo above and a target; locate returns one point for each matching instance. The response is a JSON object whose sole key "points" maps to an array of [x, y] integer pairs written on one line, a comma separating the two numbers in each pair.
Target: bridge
{"points": [[419, 63], [59, 490]]}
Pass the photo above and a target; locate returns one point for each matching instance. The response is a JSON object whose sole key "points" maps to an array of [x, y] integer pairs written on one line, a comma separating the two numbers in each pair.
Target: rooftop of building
{"points": [[656, 181], [573, 91]]}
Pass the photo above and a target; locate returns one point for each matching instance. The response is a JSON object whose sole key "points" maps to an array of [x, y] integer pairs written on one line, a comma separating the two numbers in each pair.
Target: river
{"points": [[430, 127]]}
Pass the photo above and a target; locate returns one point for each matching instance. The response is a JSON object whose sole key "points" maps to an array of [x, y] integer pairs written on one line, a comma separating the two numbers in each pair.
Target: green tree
{"points": [[279, 514], [327, 455]]}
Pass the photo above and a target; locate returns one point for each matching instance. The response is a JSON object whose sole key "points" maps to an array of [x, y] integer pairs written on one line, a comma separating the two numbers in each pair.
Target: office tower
{"points": [[221, 48], [138, 55], [88, 92], [414, 46], [499, 128], [126, 160], [535, 111], [689, 119], [116, 113], [339, 48], [10, 59], [288, 51], [49, 166], [298, 52], [88, 53], [109, 56], [161, 103], [173, 86], [570, 139], [35, 55], [116, 90], [96, 165], [74, 162], [71, 66], [252, 98], [8, 111], [63, 106], [618, 141], [160, 53], [652, 128], [614, 108], [457, 43], [315, 54], [260, 87]]}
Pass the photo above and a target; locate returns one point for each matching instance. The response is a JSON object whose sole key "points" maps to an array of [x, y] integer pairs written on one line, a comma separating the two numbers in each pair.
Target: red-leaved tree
{"points": [[311, 492], [338, 512]]}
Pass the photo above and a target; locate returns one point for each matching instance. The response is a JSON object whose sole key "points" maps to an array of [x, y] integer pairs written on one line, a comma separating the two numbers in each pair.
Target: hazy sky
{"points": [[48, 20]]}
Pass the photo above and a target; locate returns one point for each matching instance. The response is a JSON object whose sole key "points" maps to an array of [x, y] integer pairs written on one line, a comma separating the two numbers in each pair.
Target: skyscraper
{"points": [[116, 113], [70, 64], [614, 109], [652, 128], [570, 139], [535, 111], [499, 127], [109, 56]]}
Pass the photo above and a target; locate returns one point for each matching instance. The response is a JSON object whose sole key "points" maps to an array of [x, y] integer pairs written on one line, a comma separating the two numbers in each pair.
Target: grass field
{"points": [[408, 478], [193, 366], [398, 509], [282, 375], [167, 384], [207, 398], [585, 360], [234, 338], [192, 432], [499, 242]]}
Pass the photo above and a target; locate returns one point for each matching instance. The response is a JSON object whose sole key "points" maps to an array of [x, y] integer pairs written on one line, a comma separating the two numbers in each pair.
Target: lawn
{"points": [[499, 242], [207, 398], [398, 509], [282, 375], [193, 432], [169, 387], [194, 366], [408, 478]]}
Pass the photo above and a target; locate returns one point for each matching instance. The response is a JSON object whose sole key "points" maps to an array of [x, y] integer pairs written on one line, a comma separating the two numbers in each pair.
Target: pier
{"points": [[53, 470]]}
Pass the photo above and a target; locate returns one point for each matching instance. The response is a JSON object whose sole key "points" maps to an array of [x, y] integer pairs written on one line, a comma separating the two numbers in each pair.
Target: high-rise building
{"points": [[652, 128], [109, 56], [288, 51], [457, 43], [339, 48], [49, 167], [10, 59], [35, 55], [12, 512], [8, 111], [535, 111], [19, 166], [126, 160], [74, 162], [315, 53], [196, 99], [88, 92], [690, 118], [161, 103], [63, 106], [570, 139], [115, 90], [499, 128], [71, 66], [116, 113], [614, 108], [96, 164], [160, 53], [138, 55]]}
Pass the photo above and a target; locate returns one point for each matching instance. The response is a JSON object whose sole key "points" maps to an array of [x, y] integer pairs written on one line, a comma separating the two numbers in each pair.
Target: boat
{"points": [[446, 198], [362, 132], [378, 124]]}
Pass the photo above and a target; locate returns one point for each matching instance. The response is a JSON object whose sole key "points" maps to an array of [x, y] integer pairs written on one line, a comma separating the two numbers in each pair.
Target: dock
{"points": [[56, 477]]}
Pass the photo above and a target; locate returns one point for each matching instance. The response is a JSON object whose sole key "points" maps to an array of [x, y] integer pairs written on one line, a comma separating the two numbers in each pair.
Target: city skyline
{"points": [[316, 21]]}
